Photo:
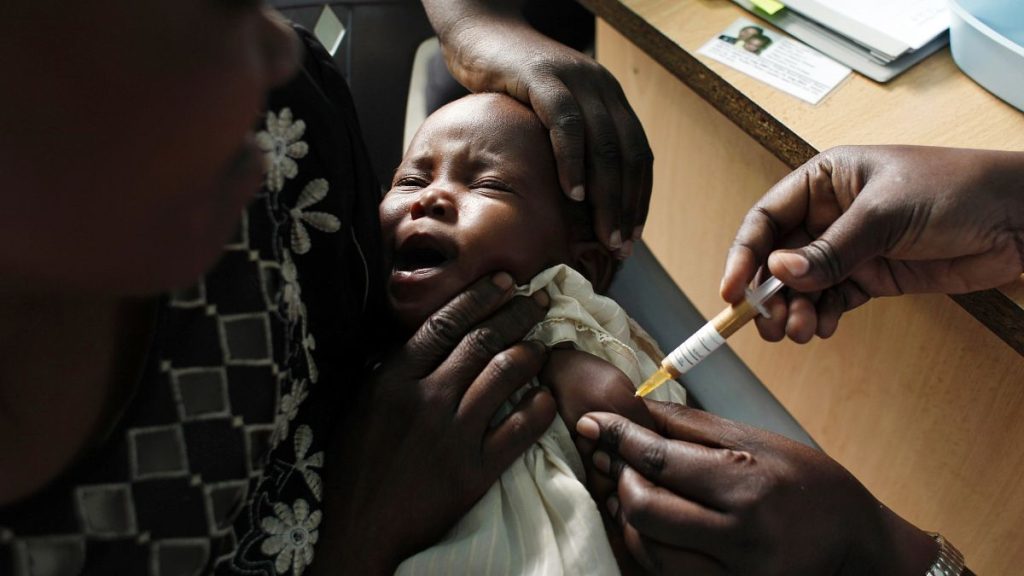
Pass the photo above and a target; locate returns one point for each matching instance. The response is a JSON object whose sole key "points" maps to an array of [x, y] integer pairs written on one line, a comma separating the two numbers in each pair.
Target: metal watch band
{"points": [[950, 561]]}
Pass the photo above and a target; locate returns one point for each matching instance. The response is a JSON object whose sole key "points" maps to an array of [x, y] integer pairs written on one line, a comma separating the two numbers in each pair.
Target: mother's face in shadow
{"points": [[123, 146]]}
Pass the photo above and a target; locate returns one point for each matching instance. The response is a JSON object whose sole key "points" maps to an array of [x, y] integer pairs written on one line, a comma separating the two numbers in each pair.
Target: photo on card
{"points": [[775, 59], [750, 37]]}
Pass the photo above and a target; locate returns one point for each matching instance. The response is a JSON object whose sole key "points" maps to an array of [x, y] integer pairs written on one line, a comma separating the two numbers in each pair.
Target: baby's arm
{"points": [[584, 383]]}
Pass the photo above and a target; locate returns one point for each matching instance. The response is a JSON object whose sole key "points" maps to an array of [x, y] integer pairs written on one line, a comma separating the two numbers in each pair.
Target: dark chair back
{"points": [[376, 55]]}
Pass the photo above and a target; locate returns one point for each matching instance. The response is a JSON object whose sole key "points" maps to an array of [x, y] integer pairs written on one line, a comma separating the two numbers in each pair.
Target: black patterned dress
{"points": [[216, 464]]}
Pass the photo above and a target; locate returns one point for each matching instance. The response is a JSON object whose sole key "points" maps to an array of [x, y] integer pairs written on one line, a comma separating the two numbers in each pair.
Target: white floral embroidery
{"points": [[292, 534], [288, 409], [291, 292], [305, 465], [281, 146], [314, 192], [308, 345]]}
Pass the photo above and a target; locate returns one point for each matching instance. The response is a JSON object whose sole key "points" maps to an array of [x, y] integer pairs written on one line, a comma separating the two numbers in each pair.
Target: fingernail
{"points": [[615, 241], [795, 264], [638, 233], [577, 193], [541, 297], [502, 280], [602, 461], [588, 428], [613, 505], [541, 349]]}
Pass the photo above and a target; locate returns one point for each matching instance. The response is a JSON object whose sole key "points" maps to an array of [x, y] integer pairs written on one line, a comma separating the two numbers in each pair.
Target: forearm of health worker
{"points": [[600, 147], [860, 222]]}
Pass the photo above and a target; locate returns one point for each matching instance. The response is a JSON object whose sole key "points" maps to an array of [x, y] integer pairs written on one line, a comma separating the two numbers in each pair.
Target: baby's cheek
{"points": [[390, 212]]}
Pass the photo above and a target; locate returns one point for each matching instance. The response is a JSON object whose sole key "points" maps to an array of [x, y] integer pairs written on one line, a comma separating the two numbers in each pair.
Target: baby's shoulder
{"points": [[582, 383]]}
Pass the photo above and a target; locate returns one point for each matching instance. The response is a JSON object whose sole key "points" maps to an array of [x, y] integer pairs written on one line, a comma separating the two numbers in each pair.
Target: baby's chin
{"points": [[411, 307], [407, 319]]}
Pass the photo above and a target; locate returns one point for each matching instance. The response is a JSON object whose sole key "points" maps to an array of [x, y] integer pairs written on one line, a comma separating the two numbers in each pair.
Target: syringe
{"points": [[712, 335]]}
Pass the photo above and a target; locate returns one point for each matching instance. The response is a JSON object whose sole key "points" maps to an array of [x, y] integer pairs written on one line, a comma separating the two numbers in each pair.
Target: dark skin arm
{"points": [[861, 222], [700, 494], [582, 383]]}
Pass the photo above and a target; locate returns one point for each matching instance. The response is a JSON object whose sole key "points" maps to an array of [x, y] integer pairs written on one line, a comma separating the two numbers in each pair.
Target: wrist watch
{"points": [[950, 561]]}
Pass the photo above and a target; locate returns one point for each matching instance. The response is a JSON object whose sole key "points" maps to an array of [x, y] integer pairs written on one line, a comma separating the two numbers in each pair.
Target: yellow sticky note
{"points": [[769, 6]]}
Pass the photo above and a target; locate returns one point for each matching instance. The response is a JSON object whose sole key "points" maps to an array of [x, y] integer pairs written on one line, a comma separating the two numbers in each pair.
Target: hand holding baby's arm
{"points": [[699, 494]]}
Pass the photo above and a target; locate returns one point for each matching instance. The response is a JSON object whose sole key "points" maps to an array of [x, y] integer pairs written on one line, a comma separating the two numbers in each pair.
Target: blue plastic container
{"points": [[987, 41]]}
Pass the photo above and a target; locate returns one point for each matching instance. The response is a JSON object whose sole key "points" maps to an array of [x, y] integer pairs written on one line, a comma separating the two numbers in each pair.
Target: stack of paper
{"points": [[878, 38]]}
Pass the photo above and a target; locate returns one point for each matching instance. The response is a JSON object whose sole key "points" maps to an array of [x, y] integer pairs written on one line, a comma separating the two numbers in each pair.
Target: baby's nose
{"points": [[432, 203]]}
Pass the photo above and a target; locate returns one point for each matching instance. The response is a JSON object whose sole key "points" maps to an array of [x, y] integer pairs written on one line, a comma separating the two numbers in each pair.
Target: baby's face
{"points": [[476, 193]]}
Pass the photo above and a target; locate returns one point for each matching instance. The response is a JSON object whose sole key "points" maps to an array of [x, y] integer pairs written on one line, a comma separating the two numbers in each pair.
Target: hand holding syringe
{"points": [[712, 335]]}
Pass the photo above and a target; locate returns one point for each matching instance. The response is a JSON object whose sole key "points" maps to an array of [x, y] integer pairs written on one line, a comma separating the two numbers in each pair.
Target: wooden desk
{"points": [[921, 399]]}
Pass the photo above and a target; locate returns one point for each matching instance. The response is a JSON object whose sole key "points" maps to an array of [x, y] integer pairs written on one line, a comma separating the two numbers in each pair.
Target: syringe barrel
{"points": [[696, 348]]}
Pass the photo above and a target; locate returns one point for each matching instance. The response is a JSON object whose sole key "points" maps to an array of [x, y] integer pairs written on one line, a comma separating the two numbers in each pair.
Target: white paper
{"points": [[912, 22], [783, 63]]}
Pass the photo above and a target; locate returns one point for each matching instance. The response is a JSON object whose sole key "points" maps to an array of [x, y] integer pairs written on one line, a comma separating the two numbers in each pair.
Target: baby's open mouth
{"points": [[421, 252]]}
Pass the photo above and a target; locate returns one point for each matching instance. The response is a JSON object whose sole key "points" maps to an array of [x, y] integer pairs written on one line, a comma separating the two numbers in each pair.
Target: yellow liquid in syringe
{"points": [[657, 379]]}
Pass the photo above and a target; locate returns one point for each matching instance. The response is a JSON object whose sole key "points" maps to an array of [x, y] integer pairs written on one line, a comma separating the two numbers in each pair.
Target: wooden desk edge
{"points": [[998, 312]]}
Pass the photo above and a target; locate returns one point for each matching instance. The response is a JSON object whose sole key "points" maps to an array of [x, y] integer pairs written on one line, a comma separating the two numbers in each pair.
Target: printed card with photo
{"points": [[776, 60]]}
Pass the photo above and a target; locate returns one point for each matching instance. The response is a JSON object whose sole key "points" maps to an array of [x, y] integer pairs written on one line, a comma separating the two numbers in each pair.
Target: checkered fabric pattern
{"points": [[215, 465]]}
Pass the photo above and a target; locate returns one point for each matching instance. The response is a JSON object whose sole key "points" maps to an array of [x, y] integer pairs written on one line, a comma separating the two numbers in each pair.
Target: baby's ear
{"points": [[593, 260]]}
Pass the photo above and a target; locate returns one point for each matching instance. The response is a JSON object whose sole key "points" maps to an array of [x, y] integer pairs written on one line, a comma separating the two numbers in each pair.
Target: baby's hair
{"points": [[580, 221]]}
